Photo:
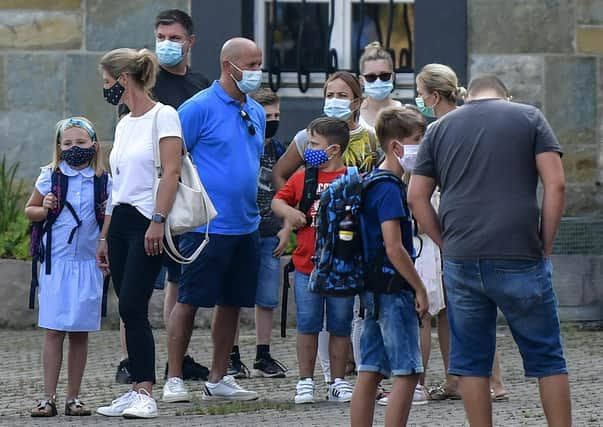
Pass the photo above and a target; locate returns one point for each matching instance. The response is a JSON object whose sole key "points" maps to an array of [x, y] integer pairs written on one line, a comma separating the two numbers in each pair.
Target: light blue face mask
{"points": [[426, 111], [250, 81], [338, 108], [378, 90], [169, 52]]}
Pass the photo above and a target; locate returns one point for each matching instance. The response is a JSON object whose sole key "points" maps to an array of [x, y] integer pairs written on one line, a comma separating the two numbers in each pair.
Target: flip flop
{"points": [[499, 397], [439, 393]]}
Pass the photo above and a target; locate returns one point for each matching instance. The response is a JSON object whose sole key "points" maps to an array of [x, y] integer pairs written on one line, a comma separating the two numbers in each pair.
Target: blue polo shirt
{"points": [[226, 155]]}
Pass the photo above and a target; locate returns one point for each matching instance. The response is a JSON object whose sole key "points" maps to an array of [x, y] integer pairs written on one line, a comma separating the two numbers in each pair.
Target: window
{"points": [[304, 40]]}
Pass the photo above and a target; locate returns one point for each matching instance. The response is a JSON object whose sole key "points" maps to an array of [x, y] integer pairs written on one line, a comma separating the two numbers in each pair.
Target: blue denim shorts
{"points": [[310, 309], [389, 343], [269, 278], [226, 272], [523, 290]]}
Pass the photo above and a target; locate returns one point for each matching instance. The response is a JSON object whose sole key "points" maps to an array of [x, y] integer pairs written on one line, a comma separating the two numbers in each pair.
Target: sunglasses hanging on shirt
{"points": [[247, 119]]}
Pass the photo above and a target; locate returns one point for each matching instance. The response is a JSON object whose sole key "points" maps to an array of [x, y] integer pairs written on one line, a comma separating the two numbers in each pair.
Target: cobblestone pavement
{"points": [[21, 383]]}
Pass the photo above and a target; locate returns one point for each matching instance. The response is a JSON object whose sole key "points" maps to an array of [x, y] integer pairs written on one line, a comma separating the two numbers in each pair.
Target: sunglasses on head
{"points": [[384, 77], [247, 119]]}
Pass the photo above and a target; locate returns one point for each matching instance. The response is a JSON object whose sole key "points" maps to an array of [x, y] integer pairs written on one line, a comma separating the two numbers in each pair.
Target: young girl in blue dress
{"points": [[70, 296]]}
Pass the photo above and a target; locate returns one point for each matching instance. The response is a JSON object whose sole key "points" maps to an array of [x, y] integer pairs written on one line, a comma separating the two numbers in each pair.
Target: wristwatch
{"points": [[158, 218]]}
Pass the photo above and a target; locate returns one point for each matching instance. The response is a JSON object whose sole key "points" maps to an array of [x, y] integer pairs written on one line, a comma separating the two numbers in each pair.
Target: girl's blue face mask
{"points": [[315, 158]]}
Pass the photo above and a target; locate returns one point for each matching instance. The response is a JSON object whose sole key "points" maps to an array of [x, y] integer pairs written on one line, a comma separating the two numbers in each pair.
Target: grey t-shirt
{"points": [[483, 157]]}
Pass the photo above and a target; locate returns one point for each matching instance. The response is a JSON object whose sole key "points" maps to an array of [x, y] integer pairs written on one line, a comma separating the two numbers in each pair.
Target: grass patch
{"points": [[200, 408]]}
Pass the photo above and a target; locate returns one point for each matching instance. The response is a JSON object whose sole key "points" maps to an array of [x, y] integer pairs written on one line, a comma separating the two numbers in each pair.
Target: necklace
{"points": [[118, 156]]}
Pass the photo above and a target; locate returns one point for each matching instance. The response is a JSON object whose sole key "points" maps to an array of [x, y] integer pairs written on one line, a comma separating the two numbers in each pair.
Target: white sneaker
{"points": [[227, 389], [340, 391], [420, 396], [144, 406], [383, 401], [174, 390], [119, 405], [304, 391]]}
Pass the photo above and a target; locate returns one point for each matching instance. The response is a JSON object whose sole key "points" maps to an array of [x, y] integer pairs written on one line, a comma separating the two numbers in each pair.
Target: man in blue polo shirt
{"points": [[224, 131]]}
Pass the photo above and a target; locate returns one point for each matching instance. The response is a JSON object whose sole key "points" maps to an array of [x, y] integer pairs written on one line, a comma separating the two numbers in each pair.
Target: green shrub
{"points": [[14, 226], [14, 242]]}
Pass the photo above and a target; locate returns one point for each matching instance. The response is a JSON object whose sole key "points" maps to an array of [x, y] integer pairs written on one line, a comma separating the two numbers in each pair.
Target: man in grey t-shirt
{"points": [[487, 157]]}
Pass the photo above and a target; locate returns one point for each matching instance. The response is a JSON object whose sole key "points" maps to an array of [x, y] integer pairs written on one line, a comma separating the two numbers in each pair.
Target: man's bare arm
{"points": [[550, 170]]}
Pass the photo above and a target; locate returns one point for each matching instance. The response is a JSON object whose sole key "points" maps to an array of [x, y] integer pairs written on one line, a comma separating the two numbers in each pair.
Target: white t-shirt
{"points": [[131, 160]]}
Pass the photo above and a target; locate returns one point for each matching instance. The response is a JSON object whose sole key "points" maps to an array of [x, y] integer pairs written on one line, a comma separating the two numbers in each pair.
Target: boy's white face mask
{"points": [[408, 160]]}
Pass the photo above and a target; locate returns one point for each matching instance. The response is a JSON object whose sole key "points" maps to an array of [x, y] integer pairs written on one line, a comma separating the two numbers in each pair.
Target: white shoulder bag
{"points": [[192, 206]]}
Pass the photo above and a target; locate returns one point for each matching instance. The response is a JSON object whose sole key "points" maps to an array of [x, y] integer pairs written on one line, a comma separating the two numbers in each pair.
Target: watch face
{"points": [[158, 218]]}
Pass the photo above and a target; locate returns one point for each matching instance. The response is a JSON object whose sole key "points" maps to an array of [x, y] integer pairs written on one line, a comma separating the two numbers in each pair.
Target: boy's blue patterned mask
{"points": [[315, 158]]}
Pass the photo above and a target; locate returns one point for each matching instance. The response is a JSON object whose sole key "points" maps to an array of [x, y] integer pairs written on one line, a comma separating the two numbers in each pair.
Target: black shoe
{"points": [[268, 367], [236, 368], [192, 370], [123, 375]]}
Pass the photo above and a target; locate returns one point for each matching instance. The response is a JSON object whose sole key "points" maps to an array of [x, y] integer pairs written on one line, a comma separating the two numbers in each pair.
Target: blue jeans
{"points": [[310, 309], [523, 291], [269, 278], [389, 343]]}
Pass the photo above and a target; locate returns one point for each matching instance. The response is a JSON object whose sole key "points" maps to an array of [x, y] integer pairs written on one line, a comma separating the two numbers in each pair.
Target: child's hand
{"points": [[102, 257], [283, 239], [50, 201], [421, 302], [295, 218]]}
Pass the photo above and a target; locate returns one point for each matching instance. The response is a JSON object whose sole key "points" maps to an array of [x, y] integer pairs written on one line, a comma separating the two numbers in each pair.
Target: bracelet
{"points": [[102, 239]]}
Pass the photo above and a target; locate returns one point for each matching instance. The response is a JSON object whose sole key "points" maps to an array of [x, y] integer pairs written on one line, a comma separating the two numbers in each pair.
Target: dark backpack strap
{"points": [[34, 282], [106, 280], [309, 195], [78, 221], [289, 268], [100, 197], [59, 186], [279, 148]]}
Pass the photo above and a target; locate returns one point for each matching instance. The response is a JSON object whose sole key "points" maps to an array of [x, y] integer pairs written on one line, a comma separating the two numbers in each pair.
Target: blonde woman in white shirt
{"points": [[131, 243]]}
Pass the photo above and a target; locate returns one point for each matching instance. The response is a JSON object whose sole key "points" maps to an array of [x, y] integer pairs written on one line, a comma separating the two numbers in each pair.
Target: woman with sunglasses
{"points": [[343, 97], [377, 77]]}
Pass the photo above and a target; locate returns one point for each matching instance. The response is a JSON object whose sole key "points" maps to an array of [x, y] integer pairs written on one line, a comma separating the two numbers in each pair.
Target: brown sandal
{"points": [[76, 408], [45, 408]]}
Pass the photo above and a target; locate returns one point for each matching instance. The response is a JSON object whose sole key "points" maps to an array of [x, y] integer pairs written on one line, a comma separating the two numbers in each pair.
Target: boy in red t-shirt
{"points": [[328, 139]]}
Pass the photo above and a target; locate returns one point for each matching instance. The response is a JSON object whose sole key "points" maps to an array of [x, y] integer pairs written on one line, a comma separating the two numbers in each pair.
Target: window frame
{"points": [[341, 40]]}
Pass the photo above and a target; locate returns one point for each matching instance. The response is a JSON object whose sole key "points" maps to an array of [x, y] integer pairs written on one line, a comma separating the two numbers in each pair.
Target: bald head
{"points": [[235, 48]]}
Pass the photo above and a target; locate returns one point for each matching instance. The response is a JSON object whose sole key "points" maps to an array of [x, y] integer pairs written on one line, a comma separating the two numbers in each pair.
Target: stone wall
{"points": [[49, 53], [548, 52]]}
